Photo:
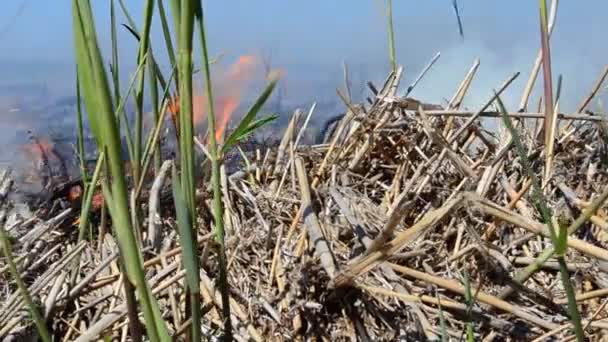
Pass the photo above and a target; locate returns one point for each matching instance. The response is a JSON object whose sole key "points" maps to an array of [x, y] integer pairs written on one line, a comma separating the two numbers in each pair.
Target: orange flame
{"points": [[231, 90], [227, 90]]}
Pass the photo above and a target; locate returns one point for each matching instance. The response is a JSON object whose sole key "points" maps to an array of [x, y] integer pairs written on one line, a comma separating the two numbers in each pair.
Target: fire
{"points": [[48, 163], [231, 90], [39, 149], [227, 90], [37, 152], [228, 106]]}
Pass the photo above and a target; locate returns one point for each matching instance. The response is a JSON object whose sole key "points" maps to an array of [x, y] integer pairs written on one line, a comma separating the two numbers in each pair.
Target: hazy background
{"points": [[309, 40]]}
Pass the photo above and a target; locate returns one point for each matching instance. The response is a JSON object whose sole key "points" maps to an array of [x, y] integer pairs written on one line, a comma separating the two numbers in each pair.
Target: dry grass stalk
{"points": [[315, 233], [371, 259]]}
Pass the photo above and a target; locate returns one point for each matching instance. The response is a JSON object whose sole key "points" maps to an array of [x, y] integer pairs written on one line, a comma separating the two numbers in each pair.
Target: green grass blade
{"points": [[186, 141], [139, 92], [391, 36], [186, 233], [244, 127], [89, 191], [575, 316], [190, 253], [115, 70], [218, 210], [126, 13], [257, 124], [81, 153], [100, 111], [558, 92], [132, 28], [114, 38], [469, 300], [167, 36], [186, 33], [442, 323], [537, 192], [559, 242], [561, 245], [154, 137], [176, 10], [25, 294], [120, 109], [85, 79], [156, 110]]}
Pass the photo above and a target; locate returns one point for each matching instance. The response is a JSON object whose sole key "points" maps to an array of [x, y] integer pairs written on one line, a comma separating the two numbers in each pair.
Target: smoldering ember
{"points": [[169, 217]]}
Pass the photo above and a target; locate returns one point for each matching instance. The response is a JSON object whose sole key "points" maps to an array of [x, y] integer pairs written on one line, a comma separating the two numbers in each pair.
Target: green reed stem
{"points": [[218, 210], [155, 112], [80, 142], [115, 70], [186, 143], [88, 191], [167, 36], [25, 294], [560, 245], [139, 96], [391, 37], [103, 122]]}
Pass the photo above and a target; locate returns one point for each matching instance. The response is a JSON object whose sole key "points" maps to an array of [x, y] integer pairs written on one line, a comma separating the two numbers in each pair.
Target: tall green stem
{"points": [[103, 122], [391, 37], [186, 143], [575, 316], [560, 242], [36, 316], [156, 112], [216, 160]]}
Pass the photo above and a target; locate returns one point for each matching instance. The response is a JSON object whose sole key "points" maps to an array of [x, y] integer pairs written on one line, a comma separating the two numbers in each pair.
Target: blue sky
{"points": [[318, 35]]}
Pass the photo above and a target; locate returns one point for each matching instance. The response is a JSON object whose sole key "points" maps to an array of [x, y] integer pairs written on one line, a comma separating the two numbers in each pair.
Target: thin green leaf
{"points": [[575, 316], [537, 194], [247, 131], [561, 245], [155, 136], [23, 290], [245, 123], [81, 153], [185, 32], [185, 231], [558, 92], [115, 71], [176, 10], [218, 209], [89, 191], [559, 242], [391, 36], [155, 113], [131, 30], [442, 323], [144, 50], [167, 36], [469, 300], [123, 101], [100, 110]]}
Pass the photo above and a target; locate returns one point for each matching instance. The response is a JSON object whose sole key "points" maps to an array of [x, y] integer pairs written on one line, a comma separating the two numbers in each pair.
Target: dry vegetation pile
{"points": [[411, 222]]}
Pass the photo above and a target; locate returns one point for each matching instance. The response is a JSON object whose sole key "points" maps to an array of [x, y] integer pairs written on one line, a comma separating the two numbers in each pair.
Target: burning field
{"points": [[370, 234], [404, 221]]}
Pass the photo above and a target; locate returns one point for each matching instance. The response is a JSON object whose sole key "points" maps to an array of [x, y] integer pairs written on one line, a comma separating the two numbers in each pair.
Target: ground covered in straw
{"points": [[410, 222]]}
